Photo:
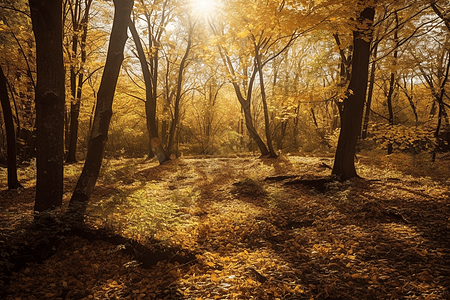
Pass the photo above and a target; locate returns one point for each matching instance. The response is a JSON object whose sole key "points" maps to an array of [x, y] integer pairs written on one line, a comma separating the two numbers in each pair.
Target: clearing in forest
{"points": [[235, 228]]}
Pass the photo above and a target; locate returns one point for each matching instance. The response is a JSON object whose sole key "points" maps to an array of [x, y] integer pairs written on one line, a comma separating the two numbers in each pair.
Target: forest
{"points": [[224, 149]]}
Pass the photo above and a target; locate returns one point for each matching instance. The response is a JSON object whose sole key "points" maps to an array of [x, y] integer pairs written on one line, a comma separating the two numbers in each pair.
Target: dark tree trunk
{"points": [[280, 139], [13, 182], [344, 164], [369, 94], [77, 87], [74, 106], [410, 97], [156, 146], [103, 110], [392, 84], [245, 103], [46, 18], [251, 129], [390, 108], [442, 15], [245, 106]]}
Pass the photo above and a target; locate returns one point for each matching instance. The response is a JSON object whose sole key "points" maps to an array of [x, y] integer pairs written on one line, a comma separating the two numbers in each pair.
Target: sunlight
{"points": [[204, 8]]}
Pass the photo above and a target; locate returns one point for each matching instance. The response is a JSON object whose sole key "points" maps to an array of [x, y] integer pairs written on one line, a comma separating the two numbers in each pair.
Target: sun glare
{"points": [[204, 8]]}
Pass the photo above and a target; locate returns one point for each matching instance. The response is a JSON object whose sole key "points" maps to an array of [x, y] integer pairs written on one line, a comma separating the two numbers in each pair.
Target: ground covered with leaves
{"points": [[239, 228]]}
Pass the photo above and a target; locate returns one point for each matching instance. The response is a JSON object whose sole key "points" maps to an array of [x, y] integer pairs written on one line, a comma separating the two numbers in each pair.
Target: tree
{"points": [[18, 60], [156, 15], [46, 18], [393, 80], [440, 11], [150, 80], [13, 182], [178, 92], [344, 164], [80, 21], [103, 110], [207, 116]]}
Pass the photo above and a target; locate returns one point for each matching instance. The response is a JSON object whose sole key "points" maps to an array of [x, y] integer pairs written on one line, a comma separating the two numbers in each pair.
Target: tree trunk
{"points": [[74, 105], [13, 182], [77, 87], [344, 164], [103, 110], [156, 146], [410, 98], [176, 114], [46, 18], [440, 100], [245, 106], [251, 129], [245, 103], [392, 83], [390, 108], [272, 153], [369, 94]]}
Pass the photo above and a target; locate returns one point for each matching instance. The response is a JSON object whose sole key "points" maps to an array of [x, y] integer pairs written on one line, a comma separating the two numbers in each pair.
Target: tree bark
{"points": [[392, 83], [344, 164], [245, 104], [46, 18], [442, 15], [369, 94], [440, 100], [103, 110], [272, 153], [410, 97], [176, 114], [156, 146], [77, 87], [13, 182]]}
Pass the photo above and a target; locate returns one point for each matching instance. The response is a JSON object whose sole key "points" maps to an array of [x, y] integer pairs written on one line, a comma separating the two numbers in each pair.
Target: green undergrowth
{"points": [[142, 213]]}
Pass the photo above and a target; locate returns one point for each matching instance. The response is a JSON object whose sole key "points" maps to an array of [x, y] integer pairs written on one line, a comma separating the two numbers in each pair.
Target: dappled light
{"points": [[224, 228], [224, 149]]}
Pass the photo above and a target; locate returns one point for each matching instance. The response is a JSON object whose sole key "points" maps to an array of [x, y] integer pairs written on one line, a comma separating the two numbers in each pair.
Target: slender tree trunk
{"points": [[390, 108], [442, 15], [46, 18], [156, 146], [103, 110], [272, 153], [440, 100], [74, 108], [369, 95], [344, 164], [295, 130], [245, 103], [77, 87], [410, 98], [392, 84], [176, 114], [13, 182], [251, 129]]}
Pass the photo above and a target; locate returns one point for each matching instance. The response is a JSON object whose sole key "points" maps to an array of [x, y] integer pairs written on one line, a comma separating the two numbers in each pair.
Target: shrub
{"points": [[402, 138]]}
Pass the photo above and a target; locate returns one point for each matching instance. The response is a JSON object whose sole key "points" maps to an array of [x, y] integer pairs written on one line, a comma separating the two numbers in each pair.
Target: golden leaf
{"points": [[214, 278]]}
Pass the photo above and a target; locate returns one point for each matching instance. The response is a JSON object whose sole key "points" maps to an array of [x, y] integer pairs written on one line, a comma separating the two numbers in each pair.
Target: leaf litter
{"points": [[243, 237]]}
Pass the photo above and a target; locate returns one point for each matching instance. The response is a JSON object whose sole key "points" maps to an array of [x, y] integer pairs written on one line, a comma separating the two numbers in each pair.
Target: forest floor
{"points": [[241, 228]]}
